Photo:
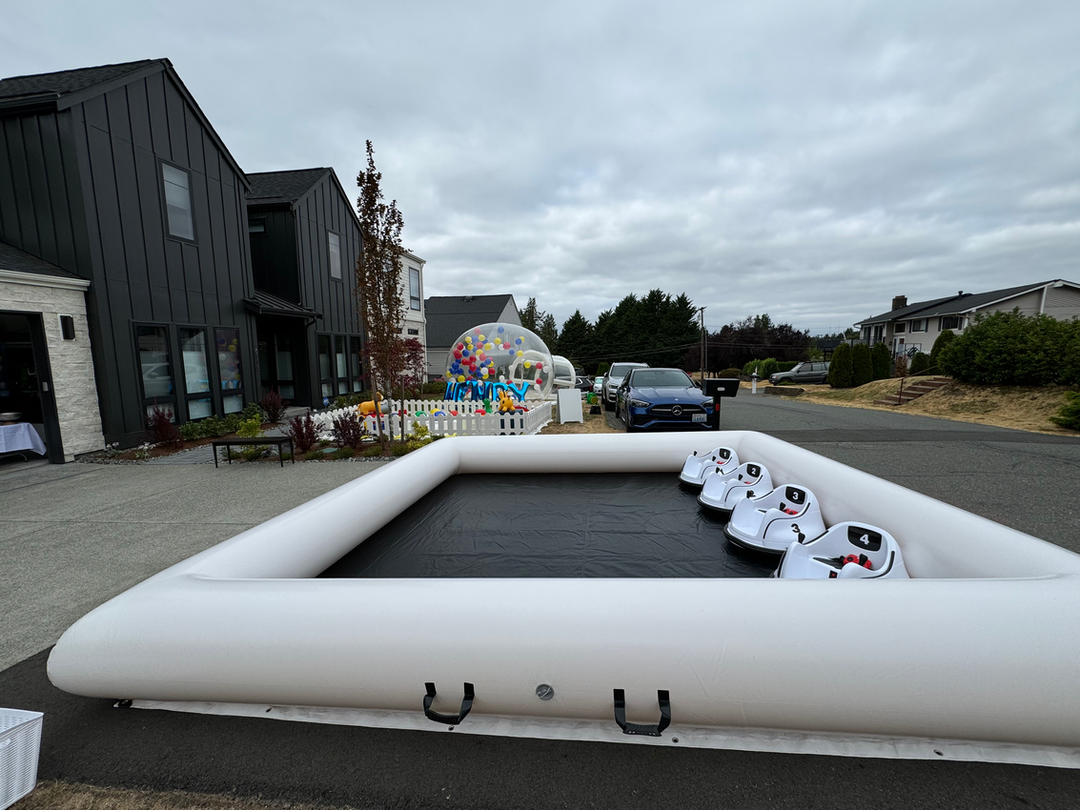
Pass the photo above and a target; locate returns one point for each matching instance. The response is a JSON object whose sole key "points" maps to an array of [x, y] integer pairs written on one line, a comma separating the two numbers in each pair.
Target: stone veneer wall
{"points": [[72, 366]]}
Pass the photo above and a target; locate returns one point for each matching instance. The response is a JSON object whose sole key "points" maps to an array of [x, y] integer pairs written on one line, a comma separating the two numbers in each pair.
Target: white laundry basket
{"points": [[20, 743]]}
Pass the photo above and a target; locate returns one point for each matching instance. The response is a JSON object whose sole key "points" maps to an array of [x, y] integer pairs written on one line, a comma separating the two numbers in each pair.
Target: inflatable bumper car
{"points": [[846, 551], [722, 490], [696, 467], [773, 521]]}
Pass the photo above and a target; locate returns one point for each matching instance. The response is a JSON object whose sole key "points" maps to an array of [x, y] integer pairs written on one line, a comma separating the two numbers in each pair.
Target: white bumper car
{"points": [[846, 551], [696, 467], [722, 490], [772, 522]]}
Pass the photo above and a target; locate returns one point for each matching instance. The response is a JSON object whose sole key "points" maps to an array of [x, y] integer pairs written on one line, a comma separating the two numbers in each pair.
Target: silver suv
{"points": [[613, 378], [808, 373]]}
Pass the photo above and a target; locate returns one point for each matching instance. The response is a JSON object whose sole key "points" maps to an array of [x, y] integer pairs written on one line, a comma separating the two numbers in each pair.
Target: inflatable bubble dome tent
{"points": [[502, 353]]}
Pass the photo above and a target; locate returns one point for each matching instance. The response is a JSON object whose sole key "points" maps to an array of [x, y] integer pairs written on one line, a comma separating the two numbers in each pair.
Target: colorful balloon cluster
{"points": [[501, 353]]}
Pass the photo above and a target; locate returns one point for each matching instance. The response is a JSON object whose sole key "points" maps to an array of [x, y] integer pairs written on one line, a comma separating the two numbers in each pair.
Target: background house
{"points": [[115, 177], [449, 316], [909, 328], [412, 282], [305, 241]]}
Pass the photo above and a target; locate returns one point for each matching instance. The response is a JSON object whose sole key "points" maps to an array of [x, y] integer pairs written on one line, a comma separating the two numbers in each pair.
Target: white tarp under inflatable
{"points": [[977, 657]]}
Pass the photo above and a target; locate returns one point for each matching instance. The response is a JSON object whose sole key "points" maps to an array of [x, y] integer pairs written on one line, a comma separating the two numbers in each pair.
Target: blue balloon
{"points": [[502, 329]]}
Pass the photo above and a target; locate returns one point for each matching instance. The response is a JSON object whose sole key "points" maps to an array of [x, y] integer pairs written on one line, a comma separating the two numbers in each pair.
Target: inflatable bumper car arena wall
{"points": [[967, 660]]}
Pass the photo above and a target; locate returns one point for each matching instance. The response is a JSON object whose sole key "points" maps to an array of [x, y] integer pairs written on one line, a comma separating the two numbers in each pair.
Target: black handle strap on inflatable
{"points": [[633, 728], [450, 720]]}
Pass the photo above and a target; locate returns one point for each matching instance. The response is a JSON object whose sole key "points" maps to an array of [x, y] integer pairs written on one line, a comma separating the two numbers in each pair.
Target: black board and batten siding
{"points": [[82, 187]]}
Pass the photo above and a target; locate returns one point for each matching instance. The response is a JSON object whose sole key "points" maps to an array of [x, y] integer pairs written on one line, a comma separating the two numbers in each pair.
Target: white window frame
{"points": [[414, 300]]}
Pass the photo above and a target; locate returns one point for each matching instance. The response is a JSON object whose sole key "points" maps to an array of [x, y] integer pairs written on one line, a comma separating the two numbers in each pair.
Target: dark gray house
{"points": [[114, 176], [305, 241]]}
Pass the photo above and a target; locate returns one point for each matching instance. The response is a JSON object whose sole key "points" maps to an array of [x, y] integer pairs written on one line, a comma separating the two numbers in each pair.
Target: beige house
{"points": [[910, 328], [414, 322]]}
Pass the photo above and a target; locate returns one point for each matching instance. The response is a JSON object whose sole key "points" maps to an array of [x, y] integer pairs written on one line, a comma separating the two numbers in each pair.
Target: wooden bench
{"points": [[280, 441]]}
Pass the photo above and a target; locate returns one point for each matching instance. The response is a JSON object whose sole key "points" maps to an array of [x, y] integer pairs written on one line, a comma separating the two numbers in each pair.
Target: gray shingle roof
{"points": [[448, 316], [68, 81], [11, 258], [953, 304], [273, 188]]}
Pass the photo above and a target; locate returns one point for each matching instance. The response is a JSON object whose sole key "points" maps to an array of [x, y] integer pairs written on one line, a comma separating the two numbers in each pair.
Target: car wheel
{"points": [[608, 406]]}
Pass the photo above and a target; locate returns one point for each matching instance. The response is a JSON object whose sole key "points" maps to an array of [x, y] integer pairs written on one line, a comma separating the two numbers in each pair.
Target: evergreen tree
{"points": [[862, 368], [574, 339], [920, 363], [531, 317], [881, 361], [549, 332], [840, 367]]}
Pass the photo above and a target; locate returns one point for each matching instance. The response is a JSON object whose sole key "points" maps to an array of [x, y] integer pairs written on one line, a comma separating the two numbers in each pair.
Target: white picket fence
{"points": [[466, 423]]}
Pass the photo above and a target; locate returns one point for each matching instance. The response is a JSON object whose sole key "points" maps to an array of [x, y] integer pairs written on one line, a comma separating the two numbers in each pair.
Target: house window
{"points": [[414, 289], [158, 388], [340, 356], [354, 364], [228, 352], [326, 372], [196, 373], [178, 202], [919, 325], [335, 254], [901, 327], [414, 331], [257, 225], [950, 322]]}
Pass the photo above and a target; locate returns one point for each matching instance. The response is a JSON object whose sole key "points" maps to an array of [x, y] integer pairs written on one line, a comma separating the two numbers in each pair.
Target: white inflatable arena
{"points": [[976, 657]]}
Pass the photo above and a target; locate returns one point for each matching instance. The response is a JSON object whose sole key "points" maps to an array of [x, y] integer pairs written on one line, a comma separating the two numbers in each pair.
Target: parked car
{"points": [[656, 398], [809, 373], [598, 385], [613, 379], [583, 384]]}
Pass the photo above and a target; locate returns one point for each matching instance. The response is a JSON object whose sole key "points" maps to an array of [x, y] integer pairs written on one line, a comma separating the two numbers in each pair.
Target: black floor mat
{"points": [[632, 525]]}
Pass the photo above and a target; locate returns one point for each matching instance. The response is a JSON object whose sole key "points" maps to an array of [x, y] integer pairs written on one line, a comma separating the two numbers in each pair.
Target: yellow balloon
{"points": [[520, 353], [461, 378], [482, 338], [527, 364], [489, 346]]}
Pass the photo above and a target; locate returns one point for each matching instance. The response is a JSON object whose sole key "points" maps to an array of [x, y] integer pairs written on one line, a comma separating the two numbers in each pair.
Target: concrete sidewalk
{"points": [[73, 536]]}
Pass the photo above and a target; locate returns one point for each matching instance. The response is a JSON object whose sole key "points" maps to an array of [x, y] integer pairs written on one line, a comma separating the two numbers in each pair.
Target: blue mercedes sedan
{"points": [[659, 398]]}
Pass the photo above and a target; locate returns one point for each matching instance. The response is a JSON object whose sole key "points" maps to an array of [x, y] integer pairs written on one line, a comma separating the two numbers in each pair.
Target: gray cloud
{"points": [[806, 160]]}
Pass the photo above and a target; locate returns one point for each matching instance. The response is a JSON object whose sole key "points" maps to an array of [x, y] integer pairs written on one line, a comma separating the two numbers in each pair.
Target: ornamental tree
{"points": [[379, 292]]}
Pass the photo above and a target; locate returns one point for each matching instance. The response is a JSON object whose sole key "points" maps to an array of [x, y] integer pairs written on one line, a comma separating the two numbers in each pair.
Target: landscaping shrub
{"points": [[250, 428], [230, 424], [763, 367], [303, 432], [901, 367], [313, 455], [192, 431], [840, 367], [862, 368], [920, 363], [602, 369], [1069, 369], [943, 340], [1007, 348], [787, 366], [251, 411], [731, 372], [272, 405], [881, 361], [1068, 415], [343, 453], [348, 430], [161, 430]]}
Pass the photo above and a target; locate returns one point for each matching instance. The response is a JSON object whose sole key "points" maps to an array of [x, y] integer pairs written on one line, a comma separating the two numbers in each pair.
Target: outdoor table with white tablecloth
{"points": [[20, 436]]}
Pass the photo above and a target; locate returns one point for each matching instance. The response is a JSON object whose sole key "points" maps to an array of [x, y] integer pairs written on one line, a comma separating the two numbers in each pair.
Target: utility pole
{"points": [[704, 345]]}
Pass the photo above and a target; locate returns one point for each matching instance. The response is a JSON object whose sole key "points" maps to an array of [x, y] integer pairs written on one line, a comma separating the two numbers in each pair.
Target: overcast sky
{"points": [[808, 160]]}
